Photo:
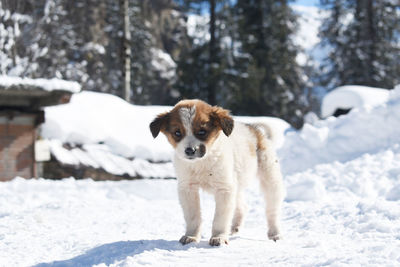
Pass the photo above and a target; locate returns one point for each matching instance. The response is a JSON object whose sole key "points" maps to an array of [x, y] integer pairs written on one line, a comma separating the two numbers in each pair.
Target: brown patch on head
{"points": [[209, 120], [261, 143], [169, 123]]}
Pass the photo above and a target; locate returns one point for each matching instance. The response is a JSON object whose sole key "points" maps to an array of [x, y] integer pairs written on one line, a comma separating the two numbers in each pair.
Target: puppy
{"points": [[220, 156]]}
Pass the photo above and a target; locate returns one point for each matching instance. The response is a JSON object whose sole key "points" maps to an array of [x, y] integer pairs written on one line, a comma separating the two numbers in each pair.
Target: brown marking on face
{"points": [[261, 143], [205, 126], [169, 123], [173, 127]]}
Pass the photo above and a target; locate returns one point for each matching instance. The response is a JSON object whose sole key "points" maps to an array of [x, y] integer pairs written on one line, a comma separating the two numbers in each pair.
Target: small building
{"points": [[21, 112]]}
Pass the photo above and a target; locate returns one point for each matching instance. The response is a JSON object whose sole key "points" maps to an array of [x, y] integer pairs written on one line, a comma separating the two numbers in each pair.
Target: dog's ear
{"points": [[159, 123], [223, 119]]}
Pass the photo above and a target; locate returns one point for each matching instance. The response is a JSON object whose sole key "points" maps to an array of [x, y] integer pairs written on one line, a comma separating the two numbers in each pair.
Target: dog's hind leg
{"points": [[272, 186], [240, 212]]}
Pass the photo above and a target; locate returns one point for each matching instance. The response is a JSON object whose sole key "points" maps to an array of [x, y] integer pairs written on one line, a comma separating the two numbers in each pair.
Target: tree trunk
{"points": [[126, 42], [211, 95]]}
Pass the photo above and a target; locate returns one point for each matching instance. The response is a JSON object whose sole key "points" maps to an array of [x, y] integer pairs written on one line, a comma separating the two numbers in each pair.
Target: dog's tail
{"points": [[266, 130]]}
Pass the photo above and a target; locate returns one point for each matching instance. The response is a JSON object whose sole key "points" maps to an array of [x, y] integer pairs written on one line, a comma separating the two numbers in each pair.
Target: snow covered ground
{"points": [[338, 214], [341, 209]]}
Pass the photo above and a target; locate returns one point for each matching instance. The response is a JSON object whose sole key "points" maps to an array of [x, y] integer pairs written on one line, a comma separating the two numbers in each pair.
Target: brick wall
{"points": [[17, 136]]}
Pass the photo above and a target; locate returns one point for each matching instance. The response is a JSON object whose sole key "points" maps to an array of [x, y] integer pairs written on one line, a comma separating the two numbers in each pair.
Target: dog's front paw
{"points": [[218, 240], [273, 234], [188, 239]]}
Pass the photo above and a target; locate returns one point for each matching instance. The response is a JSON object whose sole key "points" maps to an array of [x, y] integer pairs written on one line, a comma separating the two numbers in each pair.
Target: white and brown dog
{"points": [[220, 156]]}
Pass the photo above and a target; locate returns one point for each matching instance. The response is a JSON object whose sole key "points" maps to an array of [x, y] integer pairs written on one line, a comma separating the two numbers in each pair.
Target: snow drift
{"points": [[363, 130], [352, 96]]}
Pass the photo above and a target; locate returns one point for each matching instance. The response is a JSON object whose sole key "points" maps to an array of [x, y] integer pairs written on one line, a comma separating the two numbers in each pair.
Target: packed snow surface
{"points": [[337, 214], [44, 84]]}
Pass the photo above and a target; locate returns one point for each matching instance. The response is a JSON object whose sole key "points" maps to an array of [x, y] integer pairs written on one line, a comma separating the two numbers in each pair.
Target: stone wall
{"points": [[17, 137]]}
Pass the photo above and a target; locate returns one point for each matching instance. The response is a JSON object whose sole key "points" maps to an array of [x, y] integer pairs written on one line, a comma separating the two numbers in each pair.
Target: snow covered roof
{"points": [[33, 94], [100, 156], [352, 96], [10, 82]]}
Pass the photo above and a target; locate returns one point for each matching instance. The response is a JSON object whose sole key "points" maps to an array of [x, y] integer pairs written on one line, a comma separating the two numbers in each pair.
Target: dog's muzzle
{"points": [[195, 152]]}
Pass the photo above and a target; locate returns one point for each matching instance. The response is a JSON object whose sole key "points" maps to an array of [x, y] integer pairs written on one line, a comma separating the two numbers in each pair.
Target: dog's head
{"points": [[192, 126]]}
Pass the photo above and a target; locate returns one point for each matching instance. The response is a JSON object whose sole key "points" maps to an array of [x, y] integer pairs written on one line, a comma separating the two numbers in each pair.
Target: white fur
{"points": [[225, 171]]}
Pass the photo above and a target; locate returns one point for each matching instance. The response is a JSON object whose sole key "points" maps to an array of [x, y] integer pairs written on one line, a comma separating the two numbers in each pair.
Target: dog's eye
{"points": [[202, 132], [178, 133]]}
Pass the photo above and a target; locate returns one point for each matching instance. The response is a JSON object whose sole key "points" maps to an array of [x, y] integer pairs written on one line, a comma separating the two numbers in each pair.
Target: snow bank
{"points": [[97, 118], [341, 139], [44, 84], [352, 96], [370, 176]]}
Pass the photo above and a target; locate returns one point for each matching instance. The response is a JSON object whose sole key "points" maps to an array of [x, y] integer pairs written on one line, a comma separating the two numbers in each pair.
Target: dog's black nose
{"points": [[189, 151]]}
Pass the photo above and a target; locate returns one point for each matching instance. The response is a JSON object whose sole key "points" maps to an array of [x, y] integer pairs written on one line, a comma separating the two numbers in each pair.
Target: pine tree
{"points": [[13, 19], [364, 37], [201, 68], [153, 68], [69, 40], [271, 82]]}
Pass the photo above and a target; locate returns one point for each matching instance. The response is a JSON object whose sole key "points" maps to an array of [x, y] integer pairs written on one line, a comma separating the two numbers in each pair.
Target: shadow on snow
{"points": [[110, 253]]}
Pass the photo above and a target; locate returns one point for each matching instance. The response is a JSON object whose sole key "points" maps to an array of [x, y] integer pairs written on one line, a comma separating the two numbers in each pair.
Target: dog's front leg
{"points": [[224, 207], [190, 202]]}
